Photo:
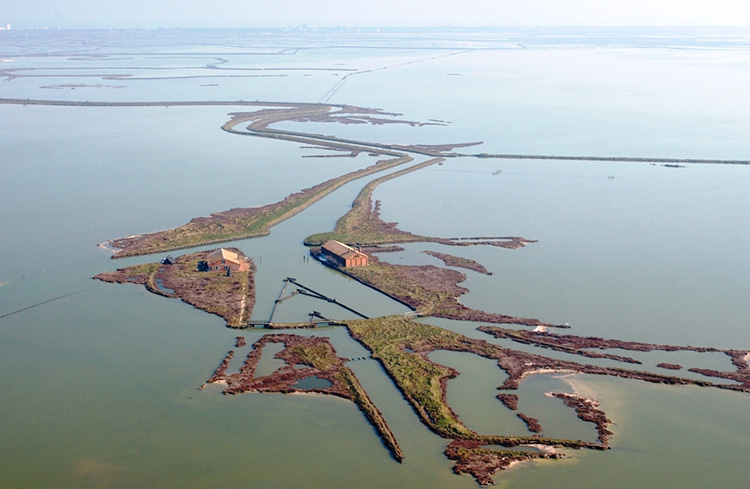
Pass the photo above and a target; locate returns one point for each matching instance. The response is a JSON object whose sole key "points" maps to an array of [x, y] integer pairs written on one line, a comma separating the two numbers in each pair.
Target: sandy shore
{"points": [[105, 246], [580, 388], [545, 448], [564, 372]]}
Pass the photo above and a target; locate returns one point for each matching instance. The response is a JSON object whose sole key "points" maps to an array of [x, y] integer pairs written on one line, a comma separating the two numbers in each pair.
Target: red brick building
{"points": [[343, 255]]}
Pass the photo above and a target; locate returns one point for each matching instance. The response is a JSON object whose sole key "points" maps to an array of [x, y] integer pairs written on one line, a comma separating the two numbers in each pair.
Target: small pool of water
{"points": [[268, 363], [162, 288], [311, 383]]}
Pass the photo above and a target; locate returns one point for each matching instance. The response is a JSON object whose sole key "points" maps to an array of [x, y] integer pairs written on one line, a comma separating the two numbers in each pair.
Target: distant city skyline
{"points": [[76, 14]]}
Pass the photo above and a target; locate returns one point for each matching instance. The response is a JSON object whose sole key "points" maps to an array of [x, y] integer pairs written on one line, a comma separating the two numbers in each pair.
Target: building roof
{"points": [[223, 254], [340, 249], [337, 247]]}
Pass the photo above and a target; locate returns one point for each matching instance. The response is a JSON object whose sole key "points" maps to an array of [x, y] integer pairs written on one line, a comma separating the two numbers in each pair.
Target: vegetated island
{"points": [[458, 262], [430, 291], [238, 223], [232, 297], [305, 358]]}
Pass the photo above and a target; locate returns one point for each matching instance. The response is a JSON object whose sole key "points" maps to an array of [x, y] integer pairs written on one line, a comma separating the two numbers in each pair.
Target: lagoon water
{"points": [[99, 381]]}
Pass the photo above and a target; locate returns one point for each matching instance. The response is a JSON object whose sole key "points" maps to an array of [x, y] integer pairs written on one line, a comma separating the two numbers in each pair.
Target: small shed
{"points": [[344, 255], [224, 259]]}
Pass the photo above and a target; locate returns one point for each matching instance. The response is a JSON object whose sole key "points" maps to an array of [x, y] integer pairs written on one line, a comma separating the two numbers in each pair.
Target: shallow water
{"points": [[100, 383]]}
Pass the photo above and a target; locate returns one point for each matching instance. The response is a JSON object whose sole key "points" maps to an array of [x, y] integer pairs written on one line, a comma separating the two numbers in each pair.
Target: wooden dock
{"points": [[316, 318], [312, 293], [305, 325]]}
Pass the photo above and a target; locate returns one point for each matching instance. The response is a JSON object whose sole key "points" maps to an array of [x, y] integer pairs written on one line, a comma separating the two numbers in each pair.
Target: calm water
{"points": [[99, 386]]}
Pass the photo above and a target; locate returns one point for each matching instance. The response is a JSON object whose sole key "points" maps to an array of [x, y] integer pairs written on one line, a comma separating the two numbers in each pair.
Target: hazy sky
{"points": [[283, 13]]}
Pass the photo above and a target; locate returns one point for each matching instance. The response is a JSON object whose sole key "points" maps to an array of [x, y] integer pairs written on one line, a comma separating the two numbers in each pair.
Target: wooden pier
{"points": [[312, 293], [316, 318], [305, 325]]}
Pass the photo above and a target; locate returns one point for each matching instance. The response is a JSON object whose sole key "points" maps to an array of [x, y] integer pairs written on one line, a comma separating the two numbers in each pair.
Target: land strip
{"points": [[587, 410], [389, 147], [580, 345], [625, 159], [363, 226], [239, 223], [458, 262]]}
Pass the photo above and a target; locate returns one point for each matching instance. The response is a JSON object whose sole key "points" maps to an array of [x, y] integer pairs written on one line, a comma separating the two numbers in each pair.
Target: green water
{"points": [[100, 388]]}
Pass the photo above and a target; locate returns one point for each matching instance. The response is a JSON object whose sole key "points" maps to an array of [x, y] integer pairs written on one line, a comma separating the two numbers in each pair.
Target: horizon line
{"points": [[400, 27]]}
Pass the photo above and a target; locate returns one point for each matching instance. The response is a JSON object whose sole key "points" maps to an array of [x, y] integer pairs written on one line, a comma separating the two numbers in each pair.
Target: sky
{"points": [[77, 14]]}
